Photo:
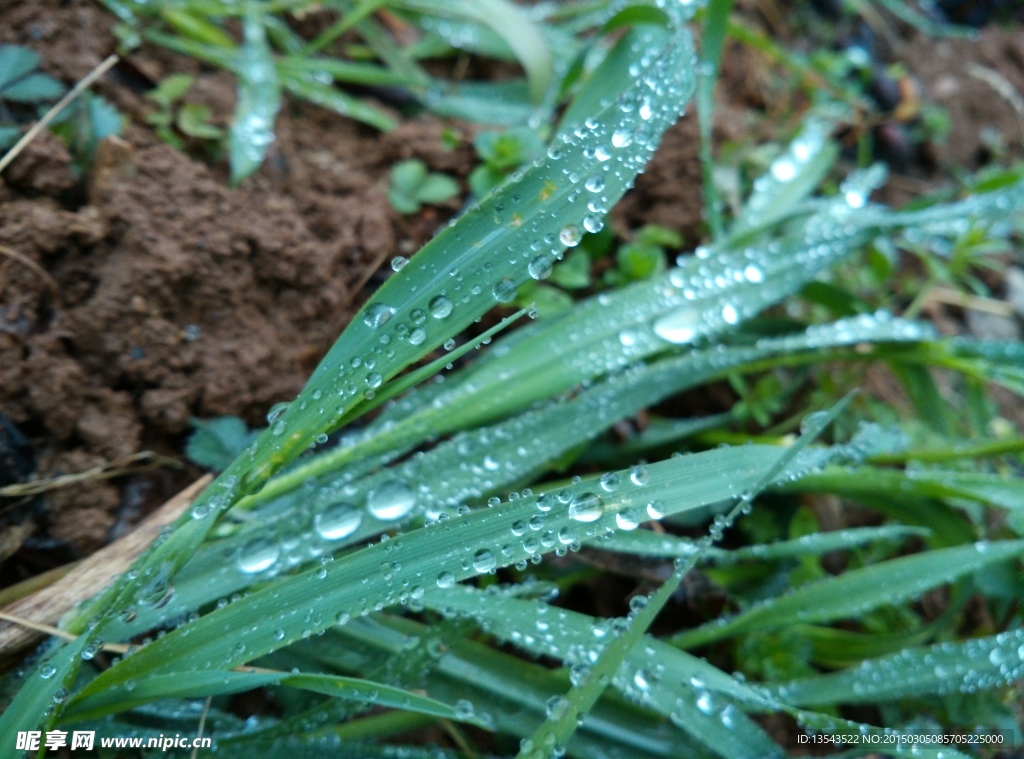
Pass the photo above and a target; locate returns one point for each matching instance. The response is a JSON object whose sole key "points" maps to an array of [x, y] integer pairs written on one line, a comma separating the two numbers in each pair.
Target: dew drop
{"points": [[391, 500], [377, 315], [504, 290], [639, 475], [540, 267], [258, 555], [627, 519], [483, 560], [595, 183], [445, 580], [679, 326], [276, 410], [570, 235], [440, 307], [338, 522], [398, 263], [753, 274], [586, 507]]}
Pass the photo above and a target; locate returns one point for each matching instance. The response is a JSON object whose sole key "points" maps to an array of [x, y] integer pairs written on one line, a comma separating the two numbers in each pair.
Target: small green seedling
{"points": [[176, 117], [84, 124], [644, 256], [24, 91], [412, 186], [502, 153]]}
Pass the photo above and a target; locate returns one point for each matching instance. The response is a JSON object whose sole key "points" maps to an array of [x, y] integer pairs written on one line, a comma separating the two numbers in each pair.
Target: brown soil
{"points": [[167, 294], [980, 83]]}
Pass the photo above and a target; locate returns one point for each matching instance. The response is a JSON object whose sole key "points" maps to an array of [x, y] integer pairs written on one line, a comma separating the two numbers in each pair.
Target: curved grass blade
{"points": [[979, 664], [128, 695], [716, 21], [646, 543], [515, 693], [259, 98], [791, 178], [857, 591], [512, 24]]}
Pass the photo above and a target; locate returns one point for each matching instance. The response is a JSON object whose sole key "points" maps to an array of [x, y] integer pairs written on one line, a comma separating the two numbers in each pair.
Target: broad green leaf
{"points": [[857, 591], [33, 88], [15, 62]]}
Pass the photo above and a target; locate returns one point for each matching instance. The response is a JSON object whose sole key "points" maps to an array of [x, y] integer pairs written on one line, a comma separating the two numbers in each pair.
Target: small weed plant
{"points": [[382, 574]]}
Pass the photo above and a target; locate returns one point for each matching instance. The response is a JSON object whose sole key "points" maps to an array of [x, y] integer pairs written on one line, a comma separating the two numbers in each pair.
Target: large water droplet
{"points": [[679, 326], [276, 410], [483, 560], [440, 307], [445, 580], [338, 522], [627, 519], [377, 314], [586, 507], [390, 501], [540, 267], [570, 235], [504, 290], [258, 555]]}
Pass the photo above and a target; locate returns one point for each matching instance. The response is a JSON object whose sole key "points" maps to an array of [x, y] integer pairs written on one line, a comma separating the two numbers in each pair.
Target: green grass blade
{"points": [[791, 178], [965, 667], [857, 591], [716, 21], [128, 695], [33, 707], [647, 543], [259, 98], [303, 85], [672, 683]]}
